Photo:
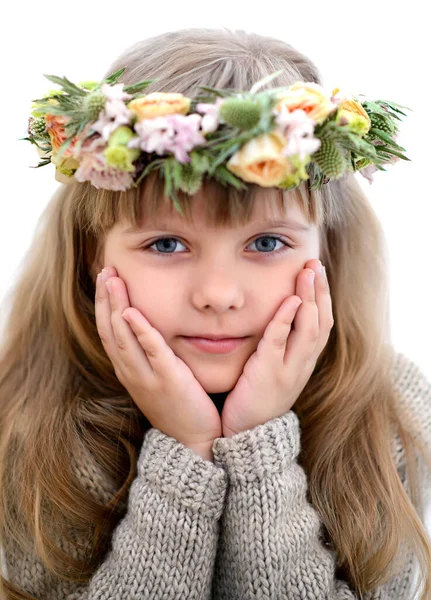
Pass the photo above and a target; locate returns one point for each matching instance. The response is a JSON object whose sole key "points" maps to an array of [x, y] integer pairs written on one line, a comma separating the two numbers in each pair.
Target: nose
{"points": [[218, 288]]}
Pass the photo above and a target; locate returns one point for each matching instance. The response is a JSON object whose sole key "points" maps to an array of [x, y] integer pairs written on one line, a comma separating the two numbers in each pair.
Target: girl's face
{"points": [[207, 280]]}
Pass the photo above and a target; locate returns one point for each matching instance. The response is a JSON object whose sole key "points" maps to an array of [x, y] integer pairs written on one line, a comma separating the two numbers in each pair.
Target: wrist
{"points": [[205, 451]]}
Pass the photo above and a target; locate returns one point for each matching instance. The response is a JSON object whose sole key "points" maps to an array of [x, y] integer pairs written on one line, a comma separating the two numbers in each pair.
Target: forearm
{"points": [[270, 539], [171, 527]]}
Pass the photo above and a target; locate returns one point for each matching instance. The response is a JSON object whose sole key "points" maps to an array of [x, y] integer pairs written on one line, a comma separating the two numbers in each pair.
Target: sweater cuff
{"points": [[266, 449], [178, 472]]}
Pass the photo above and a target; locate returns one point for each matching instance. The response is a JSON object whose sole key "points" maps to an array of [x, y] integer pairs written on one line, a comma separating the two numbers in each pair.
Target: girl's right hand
{"points": [[160, 383]]}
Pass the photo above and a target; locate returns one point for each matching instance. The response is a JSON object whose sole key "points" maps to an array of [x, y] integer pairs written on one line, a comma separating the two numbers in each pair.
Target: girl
{"points": [[139, 460]]}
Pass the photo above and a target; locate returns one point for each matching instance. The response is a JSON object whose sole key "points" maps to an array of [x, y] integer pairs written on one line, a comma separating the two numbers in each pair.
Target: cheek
{"points": [[156, 306]]}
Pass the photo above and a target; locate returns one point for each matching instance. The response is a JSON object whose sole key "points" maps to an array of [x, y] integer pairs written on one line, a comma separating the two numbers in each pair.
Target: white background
{"points": [[377, 48]]}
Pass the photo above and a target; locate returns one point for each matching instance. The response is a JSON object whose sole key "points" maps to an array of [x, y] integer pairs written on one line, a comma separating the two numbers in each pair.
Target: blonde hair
{"points": [[61, 403]]}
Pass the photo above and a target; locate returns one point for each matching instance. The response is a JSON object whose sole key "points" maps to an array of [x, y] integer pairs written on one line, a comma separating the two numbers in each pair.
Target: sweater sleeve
{"points": [[270, 544], [165, 545]]}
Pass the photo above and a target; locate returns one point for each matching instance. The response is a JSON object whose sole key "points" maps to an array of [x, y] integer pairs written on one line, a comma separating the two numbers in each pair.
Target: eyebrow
{"points": [[289, 224]]}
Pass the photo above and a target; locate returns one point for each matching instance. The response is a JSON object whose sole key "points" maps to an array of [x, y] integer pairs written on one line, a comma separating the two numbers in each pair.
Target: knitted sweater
{"points": [[236, 529]]}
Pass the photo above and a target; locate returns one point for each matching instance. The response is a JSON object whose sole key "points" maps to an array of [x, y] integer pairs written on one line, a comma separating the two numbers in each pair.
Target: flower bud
{"points": [[244, 114], [93, 104], [330, 159]]}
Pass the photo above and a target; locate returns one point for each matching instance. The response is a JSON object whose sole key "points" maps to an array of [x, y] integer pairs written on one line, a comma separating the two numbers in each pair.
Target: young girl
{"points": [[140, 459]]}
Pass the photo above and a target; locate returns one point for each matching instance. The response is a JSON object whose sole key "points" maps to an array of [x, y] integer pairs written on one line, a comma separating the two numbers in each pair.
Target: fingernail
{"points": [[324, 273], [103, 275], [108, 286]]}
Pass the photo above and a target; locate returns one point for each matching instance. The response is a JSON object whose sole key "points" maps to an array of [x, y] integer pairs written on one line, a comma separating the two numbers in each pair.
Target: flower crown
{"points": [[114, 135]]}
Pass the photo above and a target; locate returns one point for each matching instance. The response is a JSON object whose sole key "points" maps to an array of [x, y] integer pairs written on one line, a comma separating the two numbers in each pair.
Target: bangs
{"points": [[100, 210]]}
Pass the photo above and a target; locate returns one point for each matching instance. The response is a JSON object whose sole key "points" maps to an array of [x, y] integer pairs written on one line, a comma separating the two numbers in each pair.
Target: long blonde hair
{"points": [[62, 406]]}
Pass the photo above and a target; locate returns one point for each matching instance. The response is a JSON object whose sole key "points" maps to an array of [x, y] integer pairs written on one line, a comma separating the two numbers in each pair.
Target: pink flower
{"points": [[90, 145], [296, 127], [210, 121], [367, 172], [154, 135], [173, 133], [93, 167], [115, 112], [115, 92], [188, 135]]}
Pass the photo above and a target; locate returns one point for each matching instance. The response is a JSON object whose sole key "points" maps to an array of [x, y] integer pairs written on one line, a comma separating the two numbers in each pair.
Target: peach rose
{"points": [[159, 104], [309, 97], [55, 126], [260, 161]]}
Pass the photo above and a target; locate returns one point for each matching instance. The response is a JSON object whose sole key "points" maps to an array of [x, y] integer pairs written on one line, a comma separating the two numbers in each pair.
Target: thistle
{"points": [[93, 104], [243, 114], [330, 159], [37, 128]]}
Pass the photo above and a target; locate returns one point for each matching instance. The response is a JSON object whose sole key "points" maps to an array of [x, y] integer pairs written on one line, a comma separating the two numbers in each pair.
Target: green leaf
{"points": [[51, 109], [42, 164], [152, 166], [114, 77], [46, 148], [167, 174], [169, 189], [221, 93], [200, 161], [392, 105], [223, 175], [222, 157], [393, 152], [67, 85], [176, 170], [138, 87], [386, 138], [45, 100], [265, 80], [64, 146]]}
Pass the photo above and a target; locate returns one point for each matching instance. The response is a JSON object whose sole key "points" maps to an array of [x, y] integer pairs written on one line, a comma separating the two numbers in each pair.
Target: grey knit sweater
{"points": [[237, 529]]}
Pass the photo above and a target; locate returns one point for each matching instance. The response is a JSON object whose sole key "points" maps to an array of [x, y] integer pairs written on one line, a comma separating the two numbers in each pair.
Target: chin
{"points": [[215, 378], [217, 385]]}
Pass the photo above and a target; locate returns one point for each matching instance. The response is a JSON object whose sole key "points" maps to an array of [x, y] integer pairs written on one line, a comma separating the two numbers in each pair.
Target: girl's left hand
{"points": [[275, 375]]}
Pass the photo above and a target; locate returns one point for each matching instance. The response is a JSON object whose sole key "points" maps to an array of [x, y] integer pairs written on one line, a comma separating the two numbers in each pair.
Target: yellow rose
{"points": [[61, 178], [64, 168], [159, 104], [309, 97], [355, 115], [260, 161]]}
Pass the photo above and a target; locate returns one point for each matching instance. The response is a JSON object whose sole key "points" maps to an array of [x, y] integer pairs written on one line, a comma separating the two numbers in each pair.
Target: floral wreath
{"points": [[114, 135]]}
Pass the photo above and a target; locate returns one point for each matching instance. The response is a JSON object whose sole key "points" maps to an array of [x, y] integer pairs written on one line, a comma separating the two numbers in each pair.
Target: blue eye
{"points": [[168, 243]]}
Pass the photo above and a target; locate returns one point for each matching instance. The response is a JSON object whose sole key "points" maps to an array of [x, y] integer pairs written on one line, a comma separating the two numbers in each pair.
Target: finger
{"points": [[279, 329], [324, 305], [129, 351], [161, 357], [304, 336], [102, 308]]}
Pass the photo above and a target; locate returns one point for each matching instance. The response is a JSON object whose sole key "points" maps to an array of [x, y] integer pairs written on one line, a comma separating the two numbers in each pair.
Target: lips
{"points": [[220, 346], [209, 336]]}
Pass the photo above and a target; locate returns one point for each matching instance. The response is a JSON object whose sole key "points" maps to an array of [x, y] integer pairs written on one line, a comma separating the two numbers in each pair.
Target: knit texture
{"points": [[237, 529]]}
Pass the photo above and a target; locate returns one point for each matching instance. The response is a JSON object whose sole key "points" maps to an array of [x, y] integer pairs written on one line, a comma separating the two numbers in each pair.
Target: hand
{"points": [[275, 375], [159, 382]]}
